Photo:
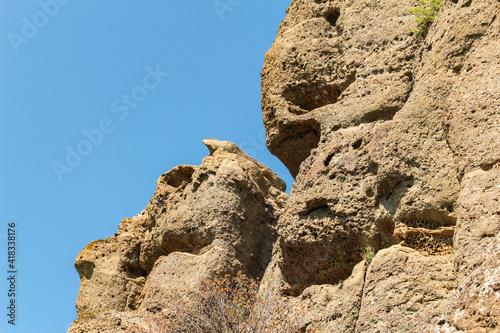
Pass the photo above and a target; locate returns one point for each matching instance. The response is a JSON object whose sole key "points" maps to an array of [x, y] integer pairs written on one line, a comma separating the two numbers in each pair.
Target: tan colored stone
{"points": [[110, 274], [475, 307], [356, 107], [217, 217], [479, 218], [391, 138], [181, 273], [428, 242], [405, 290]]}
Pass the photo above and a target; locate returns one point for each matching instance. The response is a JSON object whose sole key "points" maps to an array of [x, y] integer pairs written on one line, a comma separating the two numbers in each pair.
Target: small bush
{"points": [[87, 315], [224, 305], [369, 254], [425, 15]]}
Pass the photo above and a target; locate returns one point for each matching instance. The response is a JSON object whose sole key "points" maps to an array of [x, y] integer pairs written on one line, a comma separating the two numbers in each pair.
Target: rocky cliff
{"points": [[393, 139]]}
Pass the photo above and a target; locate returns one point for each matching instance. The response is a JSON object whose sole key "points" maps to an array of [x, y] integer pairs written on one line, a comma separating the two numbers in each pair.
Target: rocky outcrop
{"points": [[405, 290], [110, 273], [216, 217], [393, 222], [475, 305], [391, 138]]}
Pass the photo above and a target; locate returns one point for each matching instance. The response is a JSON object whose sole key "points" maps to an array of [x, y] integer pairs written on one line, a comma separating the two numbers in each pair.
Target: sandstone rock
{"points": [[355, 106], [394, 143], [475, 307], [108, 321], [428, 241], [216, 217], [326, 51], [325, 308], [110, 274], [336, 307], [474, 119], [181, 273], [229, 196], [329, 218], [405, 290], [479, 219], [474, 104]]}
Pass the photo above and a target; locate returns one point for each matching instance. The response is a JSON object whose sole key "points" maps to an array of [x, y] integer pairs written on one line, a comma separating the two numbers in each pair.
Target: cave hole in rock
{"points": [[133, 271], [356, 144], [309, 97], [383, 113], [332, 16], [428, 234], [179, 175], [328, 159]]}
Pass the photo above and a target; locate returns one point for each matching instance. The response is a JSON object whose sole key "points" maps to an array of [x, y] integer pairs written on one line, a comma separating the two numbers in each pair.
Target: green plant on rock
{"points": [[425, 15], [87, 315], [368, 256]]}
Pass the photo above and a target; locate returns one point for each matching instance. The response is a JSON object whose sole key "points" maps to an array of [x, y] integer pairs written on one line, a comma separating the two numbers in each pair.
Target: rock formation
{"points": [[216, 217], [393, 140]]}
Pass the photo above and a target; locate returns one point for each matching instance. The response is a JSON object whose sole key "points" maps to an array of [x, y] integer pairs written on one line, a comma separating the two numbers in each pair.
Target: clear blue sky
{"points": [[93, 65]]}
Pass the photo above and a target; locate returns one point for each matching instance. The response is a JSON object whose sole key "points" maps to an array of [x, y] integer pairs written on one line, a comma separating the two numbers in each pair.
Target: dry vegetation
{"points": [[224, 305]]}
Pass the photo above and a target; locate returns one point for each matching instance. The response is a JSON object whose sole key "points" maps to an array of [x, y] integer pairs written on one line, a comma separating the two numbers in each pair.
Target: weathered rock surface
{"points": [[479, 219], [393, 223], [405, 290], [475, 306], [216, 217], [110, 274], [391, 138]]}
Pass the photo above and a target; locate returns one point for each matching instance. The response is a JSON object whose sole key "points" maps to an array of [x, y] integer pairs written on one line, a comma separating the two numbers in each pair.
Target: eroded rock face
{"points": [[405, 291], [479, 219], [217, 217], [375, 101], [475, 305], [393, 223], [391, 139], [110, 273], [330, 56], [230, 197]]}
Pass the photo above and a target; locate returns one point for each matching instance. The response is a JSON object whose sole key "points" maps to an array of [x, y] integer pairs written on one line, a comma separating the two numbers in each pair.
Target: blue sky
{"points": [[131, 87]]}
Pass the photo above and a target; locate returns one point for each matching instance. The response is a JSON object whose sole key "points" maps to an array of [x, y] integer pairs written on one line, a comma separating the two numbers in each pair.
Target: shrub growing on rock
{"points": [[224, 305], [425, 15]]}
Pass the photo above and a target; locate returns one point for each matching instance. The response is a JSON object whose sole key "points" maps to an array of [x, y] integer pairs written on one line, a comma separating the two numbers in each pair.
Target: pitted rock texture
{"points": [[181, 273], [362, 112], [393, 222], [404, 291], [330, 56], [475, 306], [428, 242], [110, 273], [230, 197], [391, 138], [219, 217], [479, 222], [473, 107]]}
